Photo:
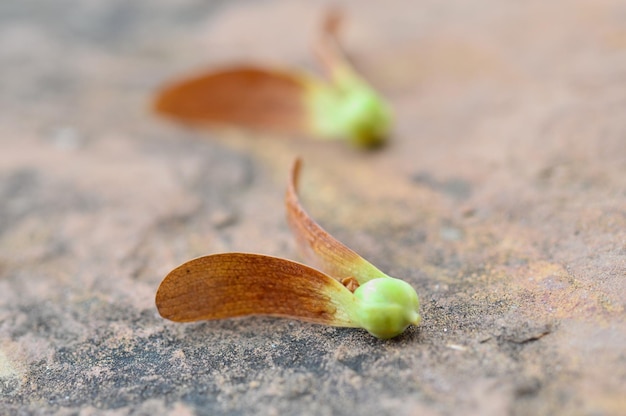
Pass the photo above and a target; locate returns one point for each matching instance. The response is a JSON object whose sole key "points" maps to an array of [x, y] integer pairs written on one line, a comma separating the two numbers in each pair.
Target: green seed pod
{"points": [[387, 306], [350, 109]]}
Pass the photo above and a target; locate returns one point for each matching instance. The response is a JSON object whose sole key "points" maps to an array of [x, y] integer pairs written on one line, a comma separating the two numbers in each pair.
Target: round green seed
{"points": [[387, 306]]}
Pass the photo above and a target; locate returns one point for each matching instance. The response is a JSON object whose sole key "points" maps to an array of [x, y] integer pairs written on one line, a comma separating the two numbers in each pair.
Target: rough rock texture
{"points": [[501, 198]]}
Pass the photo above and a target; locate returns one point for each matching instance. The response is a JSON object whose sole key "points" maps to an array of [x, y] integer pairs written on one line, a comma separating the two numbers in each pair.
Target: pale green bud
{"points": [[350, 109], [387, 306]]}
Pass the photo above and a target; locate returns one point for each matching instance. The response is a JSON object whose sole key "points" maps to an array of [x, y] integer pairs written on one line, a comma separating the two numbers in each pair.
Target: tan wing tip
{"points": [[332, 22], [166, 297], [162, 300], [294, 174], [163, 100]]}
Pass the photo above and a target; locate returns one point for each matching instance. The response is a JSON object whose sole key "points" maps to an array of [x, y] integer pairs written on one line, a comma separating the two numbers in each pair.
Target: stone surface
{"points": [[501, 198]]}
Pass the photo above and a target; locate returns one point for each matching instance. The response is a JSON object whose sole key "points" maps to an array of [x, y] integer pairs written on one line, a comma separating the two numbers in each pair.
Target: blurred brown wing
{"points": [[239, 284], [328, 48], [317, 246], [243, 96]]}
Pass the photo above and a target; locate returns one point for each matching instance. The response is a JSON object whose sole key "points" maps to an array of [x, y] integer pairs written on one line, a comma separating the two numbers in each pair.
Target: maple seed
{"points": [[285, 101], [240, 284]]}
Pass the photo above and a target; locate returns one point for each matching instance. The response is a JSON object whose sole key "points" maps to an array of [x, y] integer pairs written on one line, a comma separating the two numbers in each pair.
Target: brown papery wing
{"points": [[239, 284], [317, 246], [247, 97]]}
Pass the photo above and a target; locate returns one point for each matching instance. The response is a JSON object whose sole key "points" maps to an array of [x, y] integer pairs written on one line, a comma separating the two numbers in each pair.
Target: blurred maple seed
{"points": [[284, 101], [231, 285]]}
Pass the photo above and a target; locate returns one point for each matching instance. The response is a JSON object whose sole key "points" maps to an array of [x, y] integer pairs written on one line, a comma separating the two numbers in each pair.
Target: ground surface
{"points": [[501, 198]]}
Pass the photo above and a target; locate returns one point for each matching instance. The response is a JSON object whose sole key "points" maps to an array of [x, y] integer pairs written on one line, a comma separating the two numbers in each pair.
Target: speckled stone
{"points": [[501, 198]]}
